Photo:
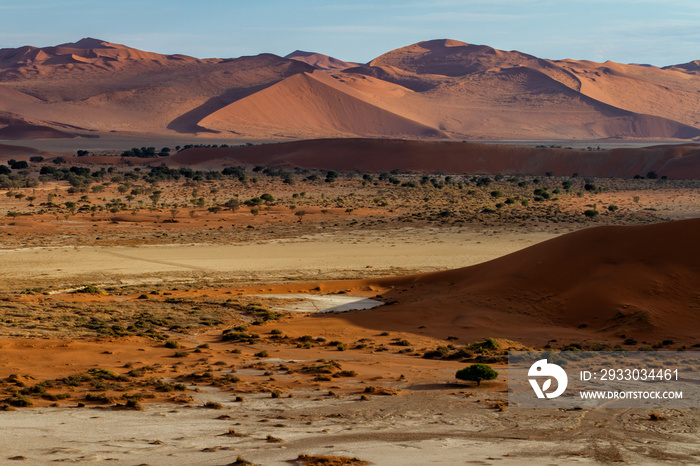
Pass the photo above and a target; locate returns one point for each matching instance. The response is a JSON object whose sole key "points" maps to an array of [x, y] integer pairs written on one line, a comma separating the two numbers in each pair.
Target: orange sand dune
{"points": [[452, 58], [680, 162], [85, 51], [592, 285], [441, 88], [306, 104], [476, 91], [320, 61]]}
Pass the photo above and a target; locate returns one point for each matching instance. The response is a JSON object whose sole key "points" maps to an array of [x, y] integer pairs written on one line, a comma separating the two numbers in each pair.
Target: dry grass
{"points": [[123, 212], [119, 315], [322, 460]]}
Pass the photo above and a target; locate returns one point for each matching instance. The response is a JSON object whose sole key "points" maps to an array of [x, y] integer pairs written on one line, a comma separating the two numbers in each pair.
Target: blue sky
{"points": [[628, 31]]}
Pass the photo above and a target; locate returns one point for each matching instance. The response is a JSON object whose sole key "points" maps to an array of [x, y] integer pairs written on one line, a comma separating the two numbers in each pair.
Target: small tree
{"points": [[155, 197], [477, 373], [300, 214], [233, 204]]}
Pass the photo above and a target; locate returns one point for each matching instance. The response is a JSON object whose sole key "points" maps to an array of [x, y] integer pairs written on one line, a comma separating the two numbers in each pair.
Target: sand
{"points": [[426, 416], [311, 257], [386, 431], [673, 161], [312, 304], [441, 285], [441, 88]]}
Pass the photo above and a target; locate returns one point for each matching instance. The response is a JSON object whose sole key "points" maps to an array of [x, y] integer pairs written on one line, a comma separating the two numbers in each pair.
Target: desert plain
{"points": [[210, 286]]}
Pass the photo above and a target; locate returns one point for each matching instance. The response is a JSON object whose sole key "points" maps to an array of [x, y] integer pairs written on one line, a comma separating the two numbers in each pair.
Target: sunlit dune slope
{"points": [[308, 104]]}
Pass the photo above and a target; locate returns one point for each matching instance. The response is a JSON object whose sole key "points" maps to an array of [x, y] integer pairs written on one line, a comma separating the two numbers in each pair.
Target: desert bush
{"points": [[477, 373], [18, 401], [438, 353], [488, 344], [243, 337], [101, 398]]}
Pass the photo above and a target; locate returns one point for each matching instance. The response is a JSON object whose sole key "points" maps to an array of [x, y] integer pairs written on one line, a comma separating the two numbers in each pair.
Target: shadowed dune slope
{"points": [[8, 150], [593, 285], [681, 161], [14, 127]]}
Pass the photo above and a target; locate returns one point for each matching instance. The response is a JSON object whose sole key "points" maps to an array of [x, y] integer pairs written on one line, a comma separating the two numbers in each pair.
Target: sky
{"points": [[626, 31]]}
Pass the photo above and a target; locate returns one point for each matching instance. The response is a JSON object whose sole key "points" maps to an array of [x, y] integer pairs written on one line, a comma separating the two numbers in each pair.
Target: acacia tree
{"points": [[233, 204], [300, 214], [477, 373], [155, 197]]}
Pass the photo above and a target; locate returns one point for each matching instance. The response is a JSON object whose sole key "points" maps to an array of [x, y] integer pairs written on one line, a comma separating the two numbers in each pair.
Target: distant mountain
{"points": [[433, 89]]}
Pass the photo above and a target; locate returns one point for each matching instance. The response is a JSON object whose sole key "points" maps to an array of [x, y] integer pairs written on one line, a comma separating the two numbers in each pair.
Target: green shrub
{"points": [[488, 344], [243, 337], [101, 398], [438, 353], [477, 373]]}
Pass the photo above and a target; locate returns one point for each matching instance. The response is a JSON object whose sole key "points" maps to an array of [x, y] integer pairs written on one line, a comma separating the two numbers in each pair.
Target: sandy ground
{"points": [[429, 420], [431, 426], [331, 256]]}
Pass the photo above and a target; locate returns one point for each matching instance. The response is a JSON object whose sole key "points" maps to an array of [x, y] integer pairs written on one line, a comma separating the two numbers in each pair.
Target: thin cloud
{"points": [[461, 16]]}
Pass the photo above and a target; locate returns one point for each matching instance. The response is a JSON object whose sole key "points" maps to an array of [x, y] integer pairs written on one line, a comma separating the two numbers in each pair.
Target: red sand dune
{"points": [[314, 104], [592, 285], [85, 51], [435, 88], [675, 161], [15, 127], [320, 61], [7, 150]]}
